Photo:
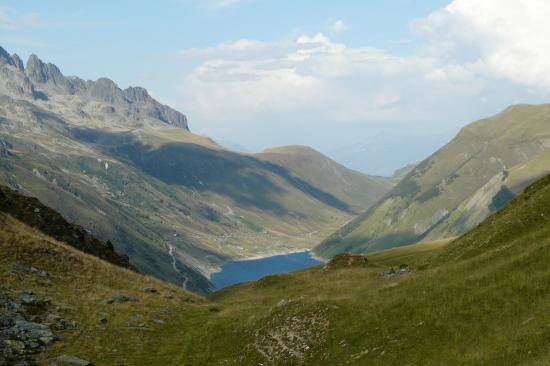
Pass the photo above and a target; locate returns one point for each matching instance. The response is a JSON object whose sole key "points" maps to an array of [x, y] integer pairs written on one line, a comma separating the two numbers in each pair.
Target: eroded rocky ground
{"points": [[31, 324]]}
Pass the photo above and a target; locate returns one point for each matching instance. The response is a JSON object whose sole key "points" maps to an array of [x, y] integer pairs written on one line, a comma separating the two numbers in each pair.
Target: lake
{"points": [[254, 269]]}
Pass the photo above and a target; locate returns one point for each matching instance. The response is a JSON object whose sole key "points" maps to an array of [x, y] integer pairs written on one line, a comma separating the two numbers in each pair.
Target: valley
{"points": [[126, 238], [127, 169]]}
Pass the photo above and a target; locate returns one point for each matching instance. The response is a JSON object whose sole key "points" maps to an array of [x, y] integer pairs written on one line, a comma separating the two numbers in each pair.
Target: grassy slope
{"points": [[357, 189], [77, 285], [108, 203], [455, 188], [480, 299], [35, 214]]}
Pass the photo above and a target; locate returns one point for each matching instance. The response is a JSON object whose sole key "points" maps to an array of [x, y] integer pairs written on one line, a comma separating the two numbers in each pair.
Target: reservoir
{"points": [[254, 269]]}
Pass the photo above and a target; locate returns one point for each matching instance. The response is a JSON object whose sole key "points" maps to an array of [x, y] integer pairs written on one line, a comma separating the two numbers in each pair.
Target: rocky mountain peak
{"points": [[137, 94], [13, 60], [17, 62], [5, 56], [42, 80], [35, 69], [41, 72], [106, 90]]}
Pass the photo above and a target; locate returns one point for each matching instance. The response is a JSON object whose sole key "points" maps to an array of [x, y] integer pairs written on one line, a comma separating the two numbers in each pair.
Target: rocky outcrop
{"points": [[13, 60], [33, 213], [5, 56], [24, 328], [403, 270], [106, 90], [137, 94], [17, 62], [141, 100], [4, 148], [40, 72], [72, 360], [346, 260]]}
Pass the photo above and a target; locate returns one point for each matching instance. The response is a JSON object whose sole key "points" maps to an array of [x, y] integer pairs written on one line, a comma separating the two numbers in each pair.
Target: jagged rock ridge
{"points": [[45, 80]]}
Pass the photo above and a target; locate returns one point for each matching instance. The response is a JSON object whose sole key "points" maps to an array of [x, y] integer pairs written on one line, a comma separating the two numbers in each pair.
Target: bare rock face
{"points": [[107, 91], [140, 99], [39, 72], [106, 101], [5, 56], [17, 62], [4, 148], [137, 94]]}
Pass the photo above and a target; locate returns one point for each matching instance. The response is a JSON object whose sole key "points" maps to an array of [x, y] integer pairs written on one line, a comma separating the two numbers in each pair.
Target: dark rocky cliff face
{"points": [[33, 213]]}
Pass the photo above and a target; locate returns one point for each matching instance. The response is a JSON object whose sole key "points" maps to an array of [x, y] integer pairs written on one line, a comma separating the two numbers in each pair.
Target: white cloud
{"points": [[12, 21], [476, 58], [338, 26], [309, 75], [244, 47], [505, 38]]}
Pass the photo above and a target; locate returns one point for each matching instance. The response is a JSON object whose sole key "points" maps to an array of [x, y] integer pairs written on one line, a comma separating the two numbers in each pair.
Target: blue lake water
{"points": [[254, 269]]}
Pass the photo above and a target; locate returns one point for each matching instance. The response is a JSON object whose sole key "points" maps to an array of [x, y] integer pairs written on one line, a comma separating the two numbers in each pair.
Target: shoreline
{"points": [[268, 255], [274, 254], [317, 258]]}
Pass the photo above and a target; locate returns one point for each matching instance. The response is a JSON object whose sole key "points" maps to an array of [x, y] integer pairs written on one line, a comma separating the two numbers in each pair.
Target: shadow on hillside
{"points": [[243, 178]]}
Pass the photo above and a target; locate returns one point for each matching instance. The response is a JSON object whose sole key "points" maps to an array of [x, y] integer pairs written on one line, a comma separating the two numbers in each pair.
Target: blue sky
{"points": [[134, 41], [331, 74]]}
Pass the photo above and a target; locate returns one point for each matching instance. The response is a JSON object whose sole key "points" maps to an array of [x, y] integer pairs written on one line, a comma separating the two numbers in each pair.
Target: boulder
{"points": [[121, 299], [72, 360]]}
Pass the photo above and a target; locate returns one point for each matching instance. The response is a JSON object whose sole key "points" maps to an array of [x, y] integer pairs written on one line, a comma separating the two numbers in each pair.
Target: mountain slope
{"points": [[126, 168], [486, 165], [354, 188], [74, 304]]}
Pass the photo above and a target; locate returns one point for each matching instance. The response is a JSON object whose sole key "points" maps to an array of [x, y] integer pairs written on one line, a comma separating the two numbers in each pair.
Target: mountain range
{"points": [[127, 169]]}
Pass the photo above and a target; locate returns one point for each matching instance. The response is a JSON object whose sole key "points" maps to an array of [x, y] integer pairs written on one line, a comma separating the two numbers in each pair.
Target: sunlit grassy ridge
{"points": [[481, 299], [483, 167]]}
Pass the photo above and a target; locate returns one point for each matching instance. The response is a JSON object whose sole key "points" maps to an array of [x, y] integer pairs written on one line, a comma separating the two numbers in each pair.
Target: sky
{"points": [[375, 84]]}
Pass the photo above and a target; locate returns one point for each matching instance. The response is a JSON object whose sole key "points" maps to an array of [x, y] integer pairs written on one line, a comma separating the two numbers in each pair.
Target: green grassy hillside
{"points": [[480, 299], [453, 190]]}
